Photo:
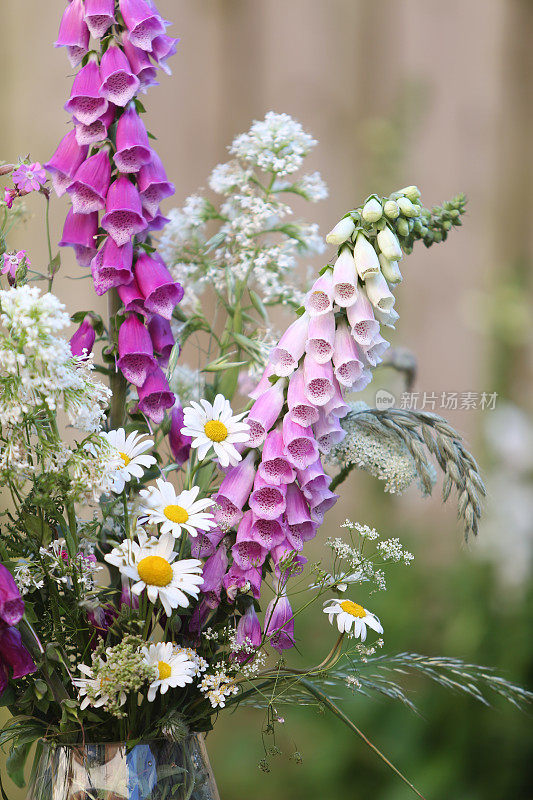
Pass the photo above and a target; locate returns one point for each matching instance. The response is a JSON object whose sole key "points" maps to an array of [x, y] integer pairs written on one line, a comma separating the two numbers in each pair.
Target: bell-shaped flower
{"points": [[300, 444], [247, 636], [97, 131], [344, 279], [79, 232], [234, 492], [337, 406], [11, 603], [73, 33], [136, 354], [123, 218], [320, 299], [268, 532], [362, 320], [142, 21], [378, 292], [328, 433], [14, 657], [291, 347], [89, 188], [153, 184], [389, 244], [247, 552], [82, 342], [162, 338], [119, 84], [318, 381], [321, 337], [99, 16], [213, 572], [132, 298], [86, 103], [163, 47], [140, 64], [237, 579], [279, 624], [365, 257], [267, 501], [155, 396], [65, 162], [133, 148], [180, 443], [275, 468], [111, 266], [301, 410], [264, 413], [206, 542], [300, 526], [348, 365], [161, 293], [390, 270]]}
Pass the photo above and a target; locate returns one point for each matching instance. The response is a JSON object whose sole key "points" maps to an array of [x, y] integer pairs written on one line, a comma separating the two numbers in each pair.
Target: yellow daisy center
{"points": [[354, 609], [215, 430], [155, 571], [165, 670], [176, 514], [126, 459]]}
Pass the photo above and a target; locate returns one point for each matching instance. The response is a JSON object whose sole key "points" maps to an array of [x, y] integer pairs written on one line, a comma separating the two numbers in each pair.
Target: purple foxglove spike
{"points": [[298, 516], [65, 161], [206, 542], [79, 232], [73, 33], [268, 532], [362, 322], [266, 501], [274, 467], [161, 293], [301, 410], [140, 64], [248, 635], [153, 184], [162, 338], [86, 103], [142, 23], [119, 84], [279, 624], [240, 579], [264, 413], [99, 16], [82, 342], [336, 407], [163, 47], [155, 396], [13, 654], [136, 354], [127, 598], [285, 568], [290, 348], [180, 444], [111, 267], [132, 298], [348, 365], [328, 433], [313, 479], [123, 218], [374, 352], [318, 379], [344, 279], [213, 572], [97, 130], [234, 492], [320, 502], [321, 338], [133, 147], [320, 298], [300, 444], [264, 382], [89, 188], [11, 603]]}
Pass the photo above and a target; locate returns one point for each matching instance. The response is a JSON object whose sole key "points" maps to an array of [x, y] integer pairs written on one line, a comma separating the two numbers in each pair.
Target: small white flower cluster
{"points": [[200, 664], [393, 550], [28, 576], [218, 686], [254, 241]]}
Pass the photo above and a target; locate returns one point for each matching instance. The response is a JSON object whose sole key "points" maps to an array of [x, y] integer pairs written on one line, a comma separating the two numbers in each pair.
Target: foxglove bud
{"points": [[372, 210], [406, 207], [82, 342], [341, 232], [412, 192], [389, 245], [391, 209]]}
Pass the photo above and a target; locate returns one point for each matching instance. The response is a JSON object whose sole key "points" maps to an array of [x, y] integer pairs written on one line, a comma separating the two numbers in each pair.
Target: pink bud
{"points": [[82, 342]]}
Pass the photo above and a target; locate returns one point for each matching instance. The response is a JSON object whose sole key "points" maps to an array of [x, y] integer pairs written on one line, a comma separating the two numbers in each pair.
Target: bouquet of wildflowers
{"points": [[153, 554]]}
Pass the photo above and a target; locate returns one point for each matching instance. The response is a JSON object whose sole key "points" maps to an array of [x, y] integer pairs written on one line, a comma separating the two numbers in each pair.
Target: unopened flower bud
{"points": [[411, 192], [402, 226], [365, 257], [390, 269], [372, 210], [391, 209], [341, 232], [5, 169], [389, 244], [406, 207]]}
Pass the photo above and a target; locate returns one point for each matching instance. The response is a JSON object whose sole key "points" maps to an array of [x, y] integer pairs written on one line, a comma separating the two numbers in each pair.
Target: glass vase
{"points": [[158, 770]]}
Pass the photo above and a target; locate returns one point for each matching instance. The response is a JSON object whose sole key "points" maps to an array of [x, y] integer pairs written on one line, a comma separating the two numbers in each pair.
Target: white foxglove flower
{"points": [[173, 668], [390, 270], [176, 511], [215, 426], [131, 450], [152, 568], [351, 615], [389, 244], [365, 257], [378, 292], [341, 232]]}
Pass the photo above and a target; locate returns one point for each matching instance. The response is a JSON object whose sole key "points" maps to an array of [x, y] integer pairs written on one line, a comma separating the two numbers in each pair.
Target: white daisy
{"points": [[152, 569], [96, 686], [173, 668], [214, 425], [350, 614], [122, 555], [176, 511], [132, 458], [200, 664]]}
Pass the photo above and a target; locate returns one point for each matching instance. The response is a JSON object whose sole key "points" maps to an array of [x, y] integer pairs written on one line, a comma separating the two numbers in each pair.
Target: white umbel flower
{"points": [[173, 511], [351, 615], [132, 453], [174, 668], [152, 568], [215, 426]]}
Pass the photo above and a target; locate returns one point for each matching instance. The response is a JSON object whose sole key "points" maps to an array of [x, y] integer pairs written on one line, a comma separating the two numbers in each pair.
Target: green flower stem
{"points": [[48, 241]]}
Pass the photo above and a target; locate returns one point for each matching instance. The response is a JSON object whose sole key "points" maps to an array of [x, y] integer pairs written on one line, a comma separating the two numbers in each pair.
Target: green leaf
{"points": [[173, 360], [16, 762], [55, 264], [258, 304]]}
